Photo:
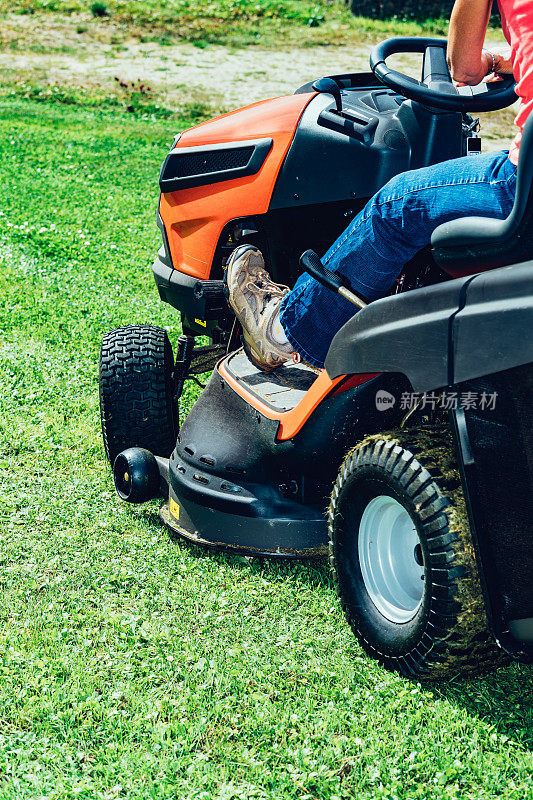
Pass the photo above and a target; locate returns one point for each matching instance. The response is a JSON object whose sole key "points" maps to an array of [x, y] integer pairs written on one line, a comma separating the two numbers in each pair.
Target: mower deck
{"points": [[227, 487], [284, 539]]}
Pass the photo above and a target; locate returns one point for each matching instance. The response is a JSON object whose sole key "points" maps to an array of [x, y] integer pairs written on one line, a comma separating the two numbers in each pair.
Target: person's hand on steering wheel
{"points": [[454, 71], [469, 62], [498, 64], [502, 63]]}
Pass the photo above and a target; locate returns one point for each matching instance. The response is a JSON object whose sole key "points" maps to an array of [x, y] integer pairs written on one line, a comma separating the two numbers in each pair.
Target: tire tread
{"points": [[457, 639], [136, 408]]}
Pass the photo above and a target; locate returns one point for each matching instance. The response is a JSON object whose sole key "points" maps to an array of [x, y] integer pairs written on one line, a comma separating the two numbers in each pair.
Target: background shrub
{"points": [[410, 9], [99, 9]]}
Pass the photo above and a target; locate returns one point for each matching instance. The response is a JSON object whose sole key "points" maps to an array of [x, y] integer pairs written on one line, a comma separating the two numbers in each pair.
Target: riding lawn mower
{"points": [[409, 457]]}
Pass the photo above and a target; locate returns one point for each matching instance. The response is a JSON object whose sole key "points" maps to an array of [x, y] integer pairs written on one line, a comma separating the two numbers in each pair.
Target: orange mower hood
{"points": [[194, 216]]}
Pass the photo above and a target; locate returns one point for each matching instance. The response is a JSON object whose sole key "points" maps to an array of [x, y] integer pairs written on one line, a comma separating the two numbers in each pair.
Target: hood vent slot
{"points": [[188, 167]]}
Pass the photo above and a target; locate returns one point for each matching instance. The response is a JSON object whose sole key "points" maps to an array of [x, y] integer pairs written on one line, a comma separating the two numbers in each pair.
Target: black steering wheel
{"points": [[436, 89]]}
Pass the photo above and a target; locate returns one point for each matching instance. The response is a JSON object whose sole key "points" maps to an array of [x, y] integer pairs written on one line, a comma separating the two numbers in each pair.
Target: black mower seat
{"points": [[473, 243]]}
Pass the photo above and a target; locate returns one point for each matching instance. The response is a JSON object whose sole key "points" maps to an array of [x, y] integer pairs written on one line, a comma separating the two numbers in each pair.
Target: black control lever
{"points": [[311, 263], [329, 86]]}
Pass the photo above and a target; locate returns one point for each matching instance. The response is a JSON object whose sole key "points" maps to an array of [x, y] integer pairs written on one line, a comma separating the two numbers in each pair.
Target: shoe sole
{"points": [[239, 251], [253, 358], [242, 248]]}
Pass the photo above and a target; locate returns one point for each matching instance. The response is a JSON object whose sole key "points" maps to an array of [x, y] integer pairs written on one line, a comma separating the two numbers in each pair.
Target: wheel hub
{"points": [[390, 557]]}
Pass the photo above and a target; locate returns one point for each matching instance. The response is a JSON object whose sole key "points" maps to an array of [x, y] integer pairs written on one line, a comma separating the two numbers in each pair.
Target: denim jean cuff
{"points": [[288, 330]]}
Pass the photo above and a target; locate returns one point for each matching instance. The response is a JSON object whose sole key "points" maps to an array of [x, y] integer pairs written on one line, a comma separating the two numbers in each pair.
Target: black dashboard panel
{"points": [[380, 134]]}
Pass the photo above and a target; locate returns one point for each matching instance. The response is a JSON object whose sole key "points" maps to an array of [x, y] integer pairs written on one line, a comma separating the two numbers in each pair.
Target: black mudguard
{"points": [[443, 335], [495, 444]]}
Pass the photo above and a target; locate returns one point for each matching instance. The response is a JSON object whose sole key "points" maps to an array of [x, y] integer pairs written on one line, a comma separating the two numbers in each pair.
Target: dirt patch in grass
{"points": [[105, 59]]}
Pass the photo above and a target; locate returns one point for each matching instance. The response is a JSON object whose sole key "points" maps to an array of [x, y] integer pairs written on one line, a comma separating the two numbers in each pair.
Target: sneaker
{"points": [[255, 300]]}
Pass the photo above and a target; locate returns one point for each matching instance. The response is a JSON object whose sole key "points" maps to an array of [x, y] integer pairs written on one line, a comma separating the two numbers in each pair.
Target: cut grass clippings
{"points": [[133, 666]]}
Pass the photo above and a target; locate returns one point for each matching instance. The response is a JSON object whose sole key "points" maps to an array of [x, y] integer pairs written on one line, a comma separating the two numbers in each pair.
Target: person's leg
{"points": [[394, 225]]}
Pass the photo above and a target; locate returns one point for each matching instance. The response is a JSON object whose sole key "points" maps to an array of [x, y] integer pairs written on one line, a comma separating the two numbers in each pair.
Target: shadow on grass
{"points": [[502, 699]]}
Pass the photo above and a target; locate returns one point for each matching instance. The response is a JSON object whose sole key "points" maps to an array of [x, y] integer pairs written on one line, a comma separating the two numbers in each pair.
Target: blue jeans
{"points": [[393, 226]]}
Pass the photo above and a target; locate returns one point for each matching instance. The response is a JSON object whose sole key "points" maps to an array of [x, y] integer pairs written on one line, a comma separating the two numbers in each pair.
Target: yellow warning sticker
{"points": [[201, 322], [174, 508]]}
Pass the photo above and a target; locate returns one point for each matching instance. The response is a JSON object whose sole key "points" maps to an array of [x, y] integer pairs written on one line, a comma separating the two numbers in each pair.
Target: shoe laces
{"points": [[267, 289]]}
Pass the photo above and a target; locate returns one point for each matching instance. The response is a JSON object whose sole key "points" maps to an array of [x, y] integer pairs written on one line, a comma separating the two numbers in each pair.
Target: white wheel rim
{"points": [[389, 556]]}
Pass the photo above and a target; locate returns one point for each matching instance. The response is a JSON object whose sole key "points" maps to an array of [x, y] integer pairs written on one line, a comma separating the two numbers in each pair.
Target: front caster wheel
{"points": [[136, 475], [403, 557]]}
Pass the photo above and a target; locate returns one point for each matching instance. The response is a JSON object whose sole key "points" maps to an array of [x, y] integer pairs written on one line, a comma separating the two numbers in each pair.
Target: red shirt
{"points": [[517, 23]]}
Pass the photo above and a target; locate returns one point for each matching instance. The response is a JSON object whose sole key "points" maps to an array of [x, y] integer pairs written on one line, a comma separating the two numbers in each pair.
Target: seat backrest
{"points": [[523, 205], [471, 244]]}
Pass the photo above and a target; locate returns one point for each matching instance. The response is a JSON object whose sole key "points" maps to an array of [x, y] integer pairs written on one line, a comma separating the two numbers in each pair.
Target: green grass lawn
{"points": [[133, 666], [234, 22]]}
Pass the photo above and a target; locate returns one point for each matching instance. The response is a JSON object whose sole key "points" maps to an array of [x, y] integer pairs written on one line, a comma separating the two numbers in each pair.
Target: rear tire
{"points": [[397, 507], [136, 392]]}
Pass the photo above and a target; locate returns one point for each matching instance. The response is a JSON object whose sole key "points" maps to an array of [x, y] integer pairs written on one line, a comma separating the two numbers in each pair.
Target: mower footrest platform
{"points": [[281, 390]]}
